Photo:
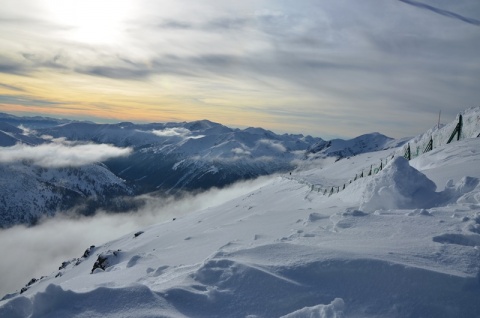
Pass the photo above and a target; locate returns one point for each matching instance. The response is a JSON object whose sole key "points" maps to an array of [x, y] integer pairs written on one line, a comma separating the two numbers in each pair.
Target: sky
{"points": [[326, 68]]}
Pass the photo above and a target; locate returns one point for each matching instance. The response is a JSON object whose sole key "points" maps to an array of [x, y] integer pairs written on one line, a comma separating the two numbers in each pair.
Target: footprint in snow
{"points": [[422, 212], [160, 270], [346, 219], [313, 217], [258, 237], [133, 261], [354, 212]]}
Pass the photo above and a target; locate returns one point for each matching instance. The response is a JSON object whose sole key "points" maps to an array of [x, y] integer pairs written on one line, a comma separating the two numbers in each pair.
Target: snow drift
{"points": [[399, 186]]}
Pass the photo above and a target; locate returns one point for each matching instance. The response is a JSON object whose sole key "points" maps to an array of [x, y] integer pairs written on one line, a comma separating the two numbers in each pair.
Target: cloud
{"points": [[60, 154], [39, 250], [273, 145], [445, 13], [26, 63], [172, 132], [181, 132], [241, 152], [26, 100], [222, 24], [10, 67], [117, 72], [175, 25], [26, 131], [12, 87]]}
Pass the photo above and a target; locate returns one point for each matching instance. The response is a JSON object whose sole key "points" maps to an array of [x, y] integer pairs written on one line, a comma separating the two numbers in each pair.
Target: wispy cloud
{"points": [[272, 145], [117, 72], [443, 12], [12, 87], [241, 151], [172, 132], [182, 133], [9, 66], [61, 154], [26, 100]]}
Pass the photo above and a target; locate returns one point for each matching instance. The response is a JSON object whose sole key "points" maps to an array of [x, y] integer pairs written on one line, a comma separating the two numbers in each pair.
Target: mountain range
{"points": [[165, 159]]}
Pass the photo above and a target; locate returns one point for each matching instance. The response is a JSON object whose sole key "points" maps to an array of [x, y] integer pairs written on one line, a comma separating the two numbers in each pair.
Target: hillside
{"points": [[403, 242]]}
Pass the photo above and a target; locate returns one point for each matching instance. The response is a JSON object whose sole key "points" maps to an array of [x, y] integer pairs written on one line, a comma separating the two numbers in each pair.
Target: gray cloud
{"points": [[26, 100], [175, 25], [445, 13], [227, 23], [116, 72], [12, 87], [61, 154], [11, 67]]}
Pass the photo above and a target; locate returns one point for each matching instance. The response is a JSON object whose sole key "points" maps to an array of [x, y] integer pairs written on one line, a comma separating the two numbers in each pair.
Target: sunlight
{"points": [[91, 21]]}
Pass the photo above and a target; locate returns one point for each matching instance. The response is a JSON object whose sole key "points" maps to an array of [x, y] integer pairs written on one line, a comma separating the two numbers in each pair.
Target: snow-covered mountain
{"points": [[345, 148], [29, 192], [190, 156], [402, 242], [32, 122], [202, 154], [11, 135]]}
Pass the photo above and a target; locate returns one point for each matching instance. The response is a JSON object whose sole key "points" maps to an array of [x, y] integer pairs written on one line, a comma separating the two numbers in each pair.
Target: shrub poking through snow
{"points": [[88, 251]]}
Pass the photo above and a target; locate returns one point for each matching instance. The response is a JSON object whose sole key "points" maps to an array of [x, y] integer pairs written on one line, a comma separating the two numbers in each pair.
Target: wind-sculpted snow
{"points": [[399, 186], [135, 301]]}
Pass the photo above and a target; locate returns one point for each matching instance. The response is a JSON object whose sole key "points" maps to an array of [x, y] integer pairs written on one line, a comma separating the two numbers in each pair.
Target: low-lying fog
{"points": [[28, 252]]}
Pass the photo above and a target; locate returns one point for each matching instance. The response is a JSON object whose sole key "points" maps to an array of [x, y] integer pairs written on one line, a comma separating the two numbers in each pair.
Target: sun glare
{"points": [[91, 21]]}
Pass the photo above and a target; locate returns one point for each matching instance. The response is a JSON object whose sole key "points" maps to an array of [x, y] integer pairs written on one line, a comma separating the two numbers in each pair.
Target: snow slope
{"points": [[440, 135], [401, 243]]}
